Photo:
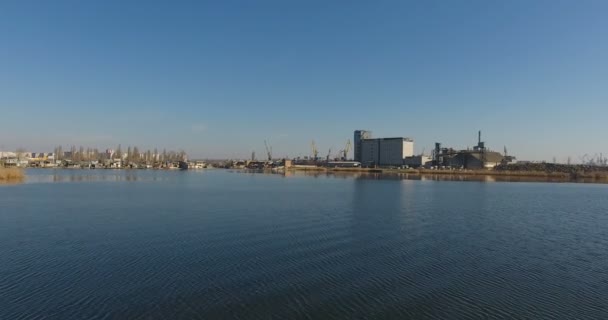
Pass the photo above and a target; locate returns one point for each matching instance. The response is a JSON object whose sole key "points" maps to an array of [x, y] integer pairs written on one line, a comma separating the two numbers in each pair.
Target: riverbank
{"points": [[599, 176], [584, 176]]}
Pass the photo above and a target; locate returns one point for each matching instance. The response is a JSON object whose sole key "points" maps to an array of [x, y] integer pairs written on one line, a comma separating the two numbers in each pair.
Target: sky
{"points": [[217, 78]]}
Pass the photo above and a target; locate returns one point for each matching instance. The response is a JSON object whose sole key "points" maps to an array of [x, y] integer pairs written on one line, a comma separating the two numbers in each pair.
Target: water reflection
{"points": [[12, 181], [376, 233], [89, 178], [60, 175], [64, 176]]}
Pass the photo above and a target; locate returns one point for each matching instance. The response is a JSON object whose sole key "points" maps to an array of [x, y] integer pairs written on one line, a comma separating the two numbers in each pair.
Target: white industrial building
{"points": [[417, 161], [385, 151]]}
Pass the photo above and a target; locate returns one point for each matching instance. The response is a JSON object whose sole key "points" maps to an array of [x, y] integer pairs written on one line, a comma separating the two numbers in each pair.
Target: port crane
{"points": [[268, 151], [346, 150], [315, 152]]}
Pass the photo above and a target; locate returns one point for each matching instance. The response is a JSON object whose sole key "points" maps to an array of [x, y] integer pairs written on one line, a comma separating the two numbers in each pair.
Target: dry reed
{"points": [[9, 174]]}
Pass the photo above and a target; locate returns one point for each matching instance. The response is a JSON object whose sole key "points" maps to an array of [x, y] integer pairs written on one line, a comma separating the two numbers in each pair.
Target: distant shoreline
{"points": [[414, 174], [533, 175]]}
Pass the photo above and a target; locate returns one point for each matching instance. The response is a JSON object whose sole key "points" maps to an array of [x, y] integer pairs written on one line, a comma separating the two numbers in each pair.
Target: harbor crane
{"points": [[346, 150], [268, 151], [315, 152]]}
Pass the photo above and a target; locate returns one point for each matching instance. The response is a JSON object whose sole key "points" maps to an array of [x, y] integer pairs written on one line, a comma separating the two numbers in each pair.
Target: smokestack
{"points": [[479, 138]]}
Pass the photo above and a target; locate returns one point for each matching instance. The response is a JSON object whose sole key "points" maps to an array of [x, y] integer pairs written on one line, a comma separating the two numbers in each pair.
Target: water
{"points": [[215, 244]]}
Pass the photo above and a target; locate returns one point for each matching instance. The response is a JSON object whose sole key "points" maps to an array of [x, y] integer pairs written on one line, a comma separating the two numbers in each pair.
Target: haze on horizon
{"points": [[216, 79]]}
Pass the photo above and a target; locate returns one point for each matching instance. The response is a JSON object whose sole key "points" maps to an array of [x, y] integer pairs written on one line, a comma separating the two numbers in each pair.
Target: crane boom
{"points": [[346, 149], [268, 151], [315, 152]]}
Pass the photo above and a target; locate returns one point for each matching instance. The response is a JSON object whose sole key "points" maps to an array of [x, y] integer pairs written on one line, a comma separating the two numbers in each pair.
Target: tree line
{"points": [[132, 155]]}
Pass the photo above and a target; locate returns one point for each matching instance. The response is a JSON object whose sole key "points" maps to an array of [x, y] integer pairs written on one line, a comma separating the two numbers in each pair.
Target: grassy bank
{"points": [[11, 174]]}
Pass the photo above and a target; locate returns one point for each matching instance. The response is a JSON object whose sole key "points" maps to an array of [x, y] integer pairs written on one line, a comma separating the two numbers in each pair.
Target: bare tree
{"points": [[20, 153], [119, 152], [129, 154], [135, 155], [57, 152]]}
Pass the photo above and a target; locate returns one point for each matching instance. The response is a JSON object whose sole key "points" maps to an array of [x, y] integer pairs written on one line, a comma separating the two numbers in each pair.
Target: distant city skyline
{"points": [[216, 79]]}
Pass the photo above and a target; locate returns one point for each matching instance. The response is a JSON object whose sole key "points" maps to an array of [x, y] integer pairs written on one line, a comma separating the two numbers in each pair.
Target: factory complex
{"points": [[399, 152], [369, 152]]}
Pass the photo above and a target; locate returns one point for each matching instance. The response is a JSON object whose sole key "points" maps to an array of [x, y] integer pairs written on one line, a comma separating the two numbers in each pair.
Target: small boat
{"points": [[183, 165]]}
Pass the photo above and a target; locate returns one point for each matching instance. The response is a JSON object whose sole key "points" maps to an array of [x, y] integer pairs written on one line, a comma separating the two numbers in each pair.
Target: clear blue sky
{"points": [[217, 78]]}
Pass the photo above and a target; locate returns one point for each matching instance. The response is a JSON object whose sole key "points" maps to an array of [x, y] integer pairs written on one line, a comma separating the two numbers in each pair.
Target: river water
{"points": [[228, 245]]}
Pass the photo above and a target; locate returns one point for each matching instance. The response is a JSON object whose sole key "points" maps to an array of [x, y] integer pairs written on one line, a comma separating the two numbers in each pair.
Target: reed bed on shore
{"points": [[11, 174]]}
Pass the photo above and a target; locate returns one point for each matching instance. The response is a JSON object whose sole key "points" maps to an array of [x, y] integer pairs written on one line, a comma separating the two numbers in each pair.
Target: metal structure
{"points": [[481, 147], [268, 151], [346, 150], [328, 155], [437, 154], [315, 152], [468, 158]]}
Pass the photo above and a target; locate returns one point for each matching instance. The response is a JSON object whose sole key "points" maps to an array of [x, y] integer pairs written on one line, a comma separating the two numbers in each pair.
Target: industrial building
{"points": [[477, 158], [360, 135], [381, 151], [417, 161]]}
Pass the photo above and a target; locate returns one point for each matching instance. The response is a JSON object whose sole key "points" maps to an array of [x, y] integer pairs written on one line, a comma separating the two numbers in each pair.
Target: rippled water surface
{"points": [[225, 245]]}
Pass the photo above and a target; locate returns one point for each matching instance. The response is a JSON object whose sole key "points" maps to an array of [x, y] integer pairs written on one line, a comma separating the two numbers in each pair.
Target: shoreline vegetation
{"points": [[11, 174]]}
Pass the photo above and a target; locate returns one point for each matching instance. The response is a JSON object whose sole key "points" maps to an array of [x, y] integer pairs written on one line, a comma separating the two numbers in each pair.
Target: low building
{"points": [[197, 165], [343, 164], [416, 161], [10, 162], [287, 163]]}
